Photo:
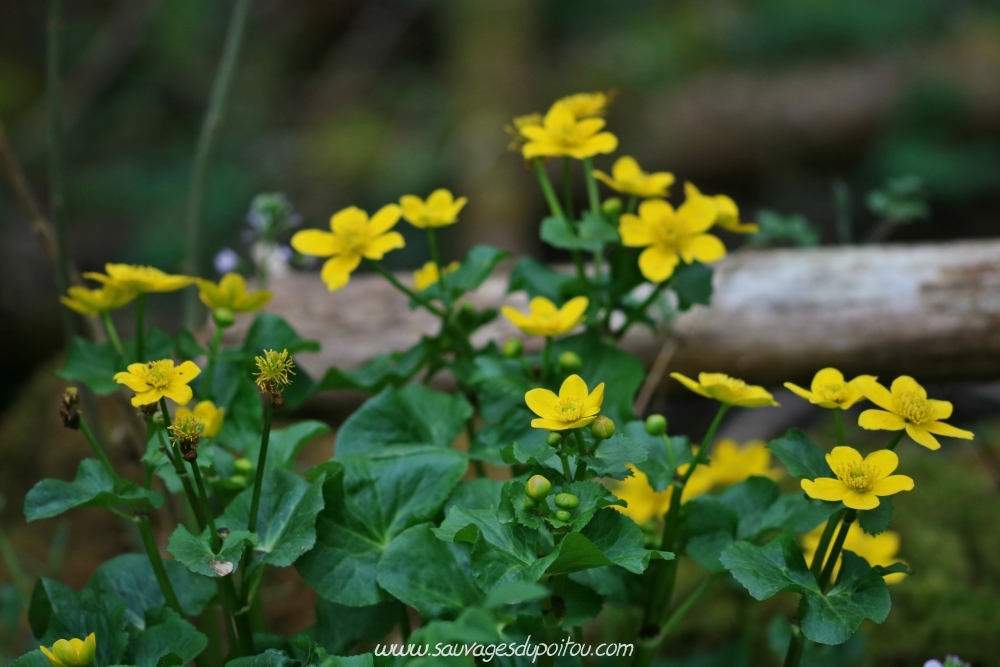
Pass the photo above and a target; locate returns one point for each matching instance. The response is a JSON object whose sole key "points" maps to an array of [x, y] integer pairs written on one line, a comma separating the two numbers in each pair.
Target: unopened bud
{"points": [[272, 374], [223, 318], [186, 434], [566, 501], [513, 348], [69, 409], [570, 362], [612, 207], [602, 428], [538, 487], [563, 515], [242, 465], [656, 424], [238, 480], [554, 439]]}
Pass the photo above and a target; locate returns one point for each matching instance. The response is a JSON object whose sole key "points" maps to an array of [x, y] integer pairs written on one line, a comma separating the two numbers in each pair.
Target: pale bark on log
{"points": [[927, 310]]}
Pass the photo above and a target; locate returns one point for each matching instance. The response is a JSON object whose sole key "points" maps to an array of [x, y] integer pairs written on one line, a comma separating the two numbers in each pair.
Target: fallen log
{"points": [[929, 310]]}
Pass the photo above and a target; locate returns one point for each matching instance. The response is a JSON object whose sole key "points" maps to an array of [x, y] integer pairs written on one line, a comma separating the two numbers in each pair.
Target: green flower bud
{"points": [[612, 207], [513, 348], [238, 480], [566, 501], [656, 424], [563, 515], [570, 362], [602, 428], [243, 465], [538, 487], [554, 439], [223, 317]]}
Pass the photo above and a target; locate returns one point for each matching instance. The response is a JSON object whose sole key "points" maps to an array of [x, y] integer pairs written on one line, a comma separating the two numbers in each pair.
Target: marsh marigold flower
{"points": [[354, 237], [878, 549], [562, 135], [589, 105], [728, 213], [97, 301], [829, 389], [155, 379], [440, 209], [544, 319], [209, 416], [231, 293], [514, 129], [628, 178], [72, 652], [427, 275], [572, 408], [646, 504], [670, 235], [731, 463], [140, 279], [728, 390], [859, 481], [906, 406]]}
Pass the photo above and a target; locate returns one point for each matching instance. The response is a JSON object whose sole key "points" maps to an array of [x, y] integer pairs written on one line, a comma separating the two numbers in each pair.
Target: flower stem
{"points": [[796, 643], [156, 560], [182, 473], [213, 532], [109, 326], [838, 545], [838, 423], [824, 545], [548, 190], [213, 353], [895, 440], [633, 205], [140, 328], [255, 501], [595, 210], [404, 289], [703, 450], [445, 295], [99, 451], [546, 353], [649, 645], [636, 313], [567, 187]]}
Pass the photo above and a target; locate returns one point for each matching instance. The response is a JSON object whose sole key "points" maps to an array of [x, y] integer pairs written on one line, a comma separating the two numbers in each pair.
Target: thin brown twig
{"points": [[656, 373]]}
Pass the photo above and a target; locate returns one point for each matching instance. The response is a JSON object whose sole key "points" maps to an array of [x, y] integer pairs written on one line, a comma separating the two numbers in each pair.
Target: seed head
{"points": [[272, 376], [69, 410], [186, 434]]}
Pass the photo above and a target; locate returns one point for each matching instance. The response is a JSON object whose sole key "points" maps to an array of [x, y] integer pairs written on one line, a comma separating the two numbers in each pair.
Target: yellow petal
{"points": [[635, 232], [883, 461], [187, 371], [337, 271], [147, 397], [384, 219], [596, 398], [922, 436], [572, 311], [698, 214], [825, 488], [940, 428], [580, 423], [516, 317], [348, 220], [861, 501], [690, 384], [626, 168], [939, 409], [130, 381], [843, 457], [876, 393], [704, 247], [892, 485], [573, 387], [314, 242], [542, 402], [180, 394], [380, 245], [550, 424], [880, 420], [904, 383], [653, 209], [825, 378], [657, 264], [800, 392]]}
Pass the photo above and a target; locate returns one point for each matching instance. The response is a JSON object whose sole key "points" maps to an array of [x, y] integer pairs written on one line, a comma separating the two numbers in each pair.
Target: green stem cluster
{"points": [[213, 354]]}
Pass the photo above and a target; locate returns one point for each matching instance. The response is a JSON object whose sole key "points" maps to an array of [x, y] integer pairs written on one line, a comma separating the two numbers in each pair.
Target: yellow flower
{"points": [[544, 319], [669, 235], [209, 416], [859, 482], [427, 275], [72, 652], [354, 236], [440, 209], [154, 379], [728, 213], [727, 390], [231, 293], [589, 105], [629, 178], [645, 504], [878, 549], [140, 279], [97, 301], [572, 408], [731, 464], [561, 134], [829, 389], [520, 122], [906, 406]]}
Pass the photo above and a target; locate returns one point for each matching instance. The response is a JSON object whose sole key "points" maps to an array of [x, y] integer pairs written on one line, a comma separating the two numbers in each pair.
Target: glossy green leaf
{"points": [[271, 332], [196, 554], [58, 612], [477, 266], [622, 373], [339, 628], [876, 521], [558, 233], [165, 633], [285, 443], [800, 455], [32, 659], [93, 364], [539, 279], [187, 347], [269, 658], [92, 487], [693, 284], [611, 455], [384, 370], [663, 454]]}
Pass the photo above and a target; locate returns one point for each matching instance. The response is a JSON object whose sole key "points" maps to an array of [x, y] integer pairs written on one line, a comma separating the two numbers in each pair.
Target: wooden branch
{"points": [[929, 310]]}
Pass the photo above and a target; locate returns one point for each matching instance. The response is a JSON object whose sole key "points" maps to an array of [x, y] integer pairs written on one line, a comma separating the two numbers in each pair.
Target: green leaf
{"points": [[480, 493], [166, 634], [860, 591], [558, 233], [476, 268], [196, 554], [620, 541], [286, 518], [130, 577], [693, 284], [876, 521], [413, 415], [32, 659], [621, 372], [597, 228], [383, 494], [427, 574], [270, 332], [800, 455], [93, 364], [663, 455], [338, 628], [269, 658], [187, 347], [285, 443], [58, 612], [235, 390], [384, 370], [611, 455], [92, 487], [539, 279]]}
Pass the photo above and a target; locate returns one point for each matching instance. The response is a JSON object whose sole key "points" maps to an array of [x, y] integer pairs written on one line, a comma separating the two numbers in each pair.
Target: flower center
{"points": [[668, 233], [835, 392], [913, 408], [156, 374], [860, 477], [569, 409]]}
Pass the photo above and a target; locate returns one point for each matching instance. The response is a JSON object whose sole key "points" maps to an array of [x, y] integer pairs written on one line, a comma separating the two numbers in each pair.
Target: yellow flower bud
{"points": [[538, 487], [72, 652]]}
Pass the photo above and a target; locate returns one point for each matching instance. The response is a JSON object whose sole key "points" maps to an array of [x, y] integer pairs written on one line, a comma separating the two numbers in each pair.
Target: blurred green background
{"points": [[779, 103]]}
